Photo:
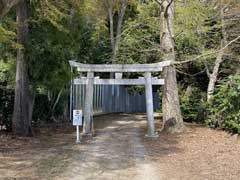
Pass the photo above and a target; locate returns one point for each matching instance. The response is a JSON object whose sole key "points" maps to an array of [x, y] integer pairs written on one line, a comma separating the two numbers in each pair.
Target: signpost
{"points": [[77, 121]]}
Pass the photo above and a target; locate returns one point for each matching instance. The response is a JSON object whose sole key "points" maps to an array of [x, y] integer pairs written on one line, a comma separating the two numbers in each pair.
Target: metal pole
{"points": [[78, 137], [71, 89]]}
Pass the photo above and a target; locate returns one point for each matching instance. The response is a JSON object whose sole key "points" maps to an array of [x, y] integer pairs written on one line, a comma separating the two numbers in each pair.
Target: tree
{"points": [[172, 118], [224, 7], [140, 35], [219, 57], [113, 11], [21, 116], [23, 102], [115, 40]]}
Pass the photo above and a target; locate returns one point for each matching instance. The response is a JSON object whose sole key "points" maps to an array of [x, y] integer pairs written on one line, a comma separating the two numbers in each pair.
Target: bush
{"points": [[225, 109], [7, 81], [193, 104], [6, 107], [42, 111]]}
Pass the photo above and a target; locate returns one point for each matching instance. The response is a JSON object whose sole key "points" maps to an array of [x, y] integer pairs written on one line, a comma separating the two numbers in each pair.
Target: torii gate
{"points": [[118, 69]]}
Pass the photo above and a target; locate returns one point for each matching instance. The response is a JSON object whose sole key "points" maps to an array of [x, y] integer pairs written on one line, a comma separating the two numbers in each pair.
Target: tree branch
{"points": [[6, 5], [166, 11], [207, 54], [159, 2], [191, 75], [207, 69], [57, 100]]}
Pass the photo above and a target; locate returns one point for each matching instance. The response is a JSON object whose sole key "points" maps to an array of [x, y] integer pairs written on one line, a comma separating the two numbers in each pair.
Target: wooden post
{"points": [[117, 77], [88, 104], [149, 105], [71, 96]]}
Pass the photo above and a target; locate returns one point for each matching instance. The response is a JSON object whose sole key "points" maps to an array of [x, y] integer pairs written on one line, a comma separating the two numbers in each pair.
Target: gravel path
{"points": [[116, 153]]}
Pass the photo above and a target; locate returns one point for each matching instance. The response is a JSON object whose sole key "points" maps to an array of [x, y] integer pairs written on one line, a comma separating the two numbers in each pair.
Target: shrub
{"points": [[192, 104], [225, 109], [42, 111], [6, 107]]}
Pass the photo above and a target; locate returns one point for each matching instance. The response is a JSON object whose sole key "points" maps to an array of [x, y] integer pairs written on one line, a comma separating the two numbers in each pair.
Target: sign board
{"points": [[77, 117]]}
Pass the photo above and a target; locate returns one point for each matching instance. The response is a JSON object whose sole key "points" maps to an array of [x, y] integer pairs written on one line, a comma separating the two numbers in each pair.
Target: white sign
{"points": [[77, 117]]}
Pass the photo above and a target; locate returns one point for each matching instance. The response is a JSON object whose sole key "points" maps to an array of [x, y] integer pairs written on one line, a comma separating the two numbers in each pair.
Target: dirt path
{"points": [[120, 151], [116, 153]]}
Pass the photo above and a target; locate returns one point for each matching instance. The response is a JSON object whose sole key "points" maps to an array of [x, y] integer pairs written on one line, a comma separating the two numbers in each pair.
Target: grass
{"points": [[55, 163]]}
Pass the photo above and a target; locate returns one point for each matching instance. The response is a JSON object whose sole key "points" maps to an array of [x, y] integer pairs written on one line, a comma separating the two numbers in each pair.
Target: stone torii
{"points": [[118, 69]]}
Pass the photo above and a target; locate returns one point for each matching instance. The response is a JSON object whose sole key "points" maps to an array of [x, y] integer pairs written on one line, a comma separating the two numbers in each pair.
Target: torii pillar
{"points": [[87, 130], [149, 105]]}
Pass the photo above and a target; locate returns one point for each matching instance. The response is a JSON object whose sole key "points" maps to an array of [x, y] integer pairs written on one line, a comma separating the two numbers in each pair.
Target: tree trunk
{"points": [[66, 108], [21, 122], [110, 14], [172, 118], [116, 40], [213, 76], [119, 30], [237, 72], [57, 100], [219, 59], [31, 105]]}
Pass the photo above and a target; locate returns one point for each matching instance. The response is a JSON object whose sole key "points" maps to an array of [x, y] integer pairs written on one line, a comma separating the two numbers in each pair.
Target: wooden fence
{"points": [[113, 99]]}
